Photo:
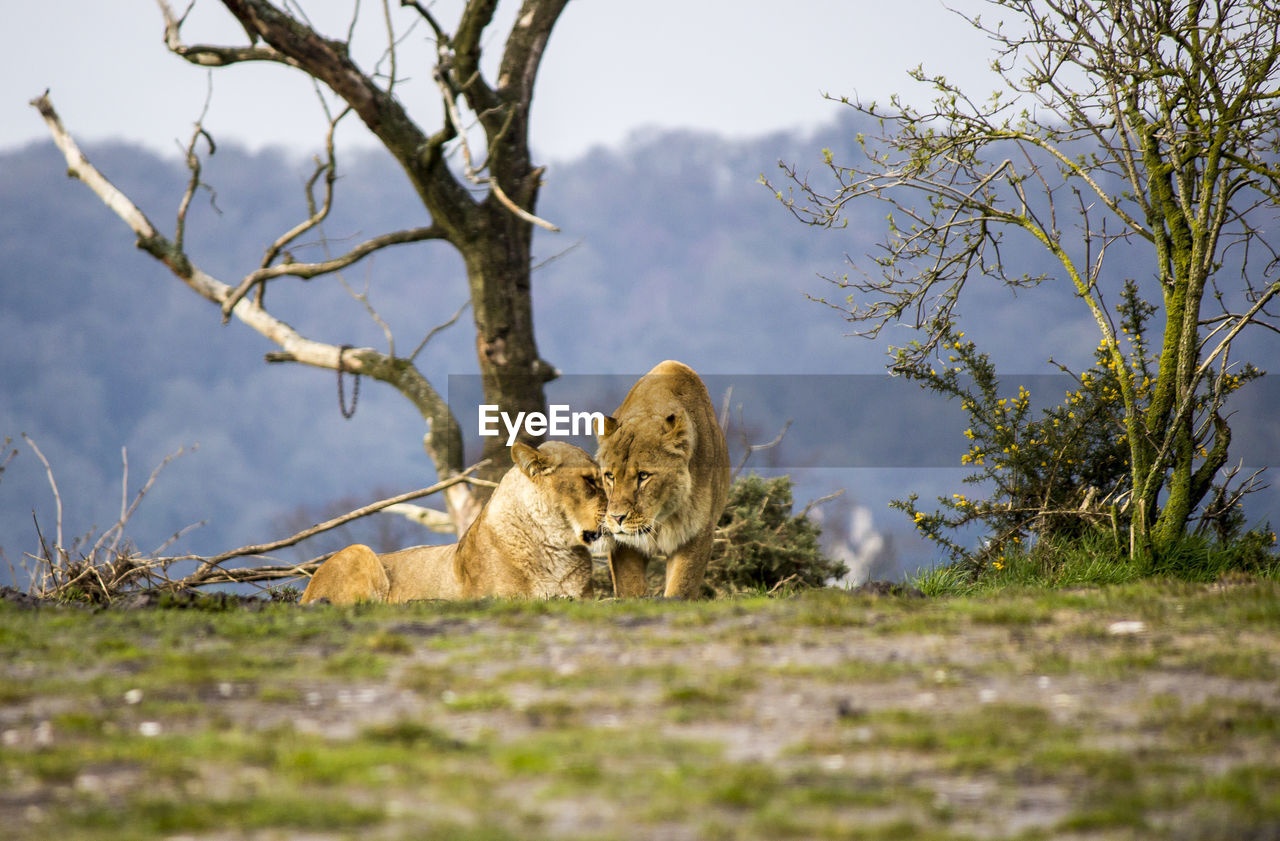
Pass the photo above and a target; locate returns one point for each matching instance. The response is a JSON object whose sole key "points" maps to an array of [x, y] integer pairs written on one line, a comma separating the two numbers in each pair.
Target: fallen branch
{"points": [[430, 518], [204, 572]]}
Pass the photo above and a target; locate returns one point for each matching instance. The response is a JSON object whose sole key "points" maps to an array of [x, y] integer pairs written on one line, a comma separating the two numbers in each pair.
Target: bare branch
{"points": [[310, 270], [329, 169], [207, 55]]}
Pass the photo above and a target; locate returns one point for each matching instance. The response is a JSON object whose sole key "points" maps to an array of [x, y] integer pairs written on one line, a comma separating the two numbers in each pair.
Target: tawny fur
{"points": [[666, 468], [530, 541]]}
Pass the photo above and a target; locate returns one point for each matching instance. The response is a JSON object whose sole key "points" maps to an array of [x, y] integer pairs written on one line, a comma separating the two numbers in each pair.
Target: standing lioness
{"points": [[530, 540], [666, 470]]}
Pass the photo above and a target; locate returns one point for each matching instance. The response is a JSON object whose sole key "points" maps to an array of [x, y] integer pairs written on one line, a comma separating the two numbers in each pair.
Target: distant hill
{"points": [[670, 249]]}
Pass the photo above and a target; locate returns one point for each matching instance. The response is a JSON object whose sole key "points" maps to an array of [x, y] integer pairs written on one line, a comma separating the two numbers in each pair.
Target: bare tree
{"points": [[483, 208], [1150, 126]]}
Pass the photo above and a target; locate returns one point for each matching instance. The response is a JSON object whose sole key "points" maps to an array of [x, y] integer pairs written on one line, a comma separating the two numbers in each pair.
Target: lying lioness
{"points": [[530, 540]]}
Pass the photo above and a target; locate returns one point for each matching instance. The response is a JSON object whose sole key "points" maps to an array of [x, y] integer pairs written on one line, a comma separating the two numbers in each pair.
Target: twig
{"points": [[193, 165], [784, 582], [554, 257], [127, 512], [327, 168], [178, 535], [517, 210], [46, 571], [724, 409], [8, 456], [441, 38], [751, 449], [443, 326], [819, 501], [57, 497]]}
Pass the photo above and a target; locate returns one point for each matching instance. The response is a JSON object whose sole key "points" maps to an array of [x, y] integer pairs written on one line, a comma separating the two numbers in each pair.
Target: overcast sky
{"points": [[739, 67]]}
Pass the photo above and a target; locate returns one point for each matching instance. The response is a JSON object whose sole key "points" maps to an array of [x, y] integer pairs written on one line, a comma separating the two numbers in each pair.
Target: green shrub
{"points": [[1064, 474], [761, 544]]}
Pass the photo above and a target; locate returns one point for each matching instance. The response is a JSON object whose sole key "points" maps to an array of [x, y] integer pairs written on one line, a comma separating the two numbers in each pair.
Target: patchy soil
{"points": [[1148, 711]]}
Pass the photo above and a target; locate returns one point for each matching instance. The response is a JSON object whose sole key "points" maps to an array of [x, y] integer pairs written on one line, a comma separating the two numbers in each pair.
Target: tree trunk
{"points": [[497, 256]]}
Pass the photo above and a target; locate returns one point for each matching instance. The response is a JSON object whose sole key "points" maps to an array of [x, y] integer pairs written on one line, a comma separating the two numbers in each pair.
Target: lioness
{"points": [[530, 540], [666, 470]]}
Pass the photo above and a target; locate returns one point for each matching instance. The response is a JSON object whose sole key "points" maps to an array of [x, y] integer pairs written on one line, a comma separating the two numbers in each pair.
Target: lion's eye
{"points": [[608, 477], [641, 475]]}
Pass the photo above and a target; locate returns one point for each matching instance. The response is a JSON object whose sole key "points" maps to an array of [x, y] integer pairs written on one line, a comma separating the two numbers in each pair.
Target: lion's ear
{"points": [[530, 461], [607, 428], [679, 434]]}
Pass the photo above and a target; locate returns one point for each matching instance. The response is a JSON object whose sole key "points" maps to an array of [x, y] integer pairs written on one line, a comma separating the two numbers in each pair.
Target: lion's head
{"points": [[568, 484], [645, 465]]}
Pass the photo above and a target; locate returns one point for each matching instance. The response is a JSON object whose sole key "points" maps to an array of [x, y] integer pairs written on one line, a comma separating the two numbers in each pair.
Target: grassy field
{"points": [[1148, 710]]}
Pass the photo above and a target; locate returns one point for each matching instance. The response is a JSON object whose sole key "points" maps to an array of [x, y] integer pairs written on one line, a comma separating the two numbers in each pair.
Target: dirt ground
{"points": [[1143, 712]]}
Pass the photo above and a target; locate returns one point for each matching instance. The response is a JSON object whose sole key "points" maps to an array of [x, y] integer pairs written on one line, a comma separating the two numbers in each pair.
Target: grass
{"points": [[1011, 714], [1094, 561]]}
